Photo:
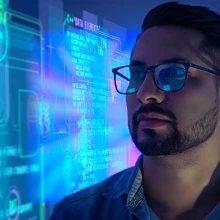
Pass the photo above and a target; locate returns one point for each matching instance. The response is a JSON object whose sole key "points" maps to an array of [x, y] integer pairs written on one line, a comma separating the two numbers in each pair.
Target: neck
{"points": [[182, 183]]}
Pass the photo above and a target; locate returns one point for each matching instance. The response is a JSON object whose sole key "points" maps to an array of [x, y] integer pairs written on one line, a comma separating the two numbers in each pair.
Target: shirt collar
{"points": [[136, 190], [129, 184]]}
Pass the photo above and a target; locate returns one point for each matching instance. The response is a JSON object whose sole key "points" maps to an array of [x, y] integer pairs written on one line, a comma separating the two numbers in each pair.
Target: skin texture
{"points": [[180, 166]]}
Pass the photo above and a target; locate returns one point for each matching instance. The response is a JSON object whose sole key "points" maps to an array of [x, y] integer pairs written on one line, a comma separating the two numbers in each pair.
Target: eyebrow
{"points": [[174, 59]]}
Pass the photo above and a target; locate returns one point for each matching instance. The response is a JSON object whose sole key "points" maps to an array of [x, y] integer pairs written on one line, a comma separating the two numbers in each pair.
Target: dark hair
{"points": [[195, 17]]}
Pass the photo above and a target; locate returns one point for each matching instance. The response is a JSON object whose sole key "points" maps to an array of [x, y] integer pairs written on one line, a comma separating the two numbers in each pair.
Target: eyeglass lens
{"points": [[168, 77]]}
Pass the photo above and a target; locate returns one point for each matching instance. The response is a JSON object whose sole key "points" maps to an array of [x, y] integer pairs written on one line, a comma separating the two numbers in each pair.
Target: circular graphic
{"points": [[12, 205]]}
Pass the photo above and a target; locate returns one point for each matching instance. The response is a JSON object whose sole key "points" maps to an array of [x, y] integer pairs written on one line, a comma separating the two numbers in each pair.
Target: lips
{"points": [[152, 120], [152, 117]]}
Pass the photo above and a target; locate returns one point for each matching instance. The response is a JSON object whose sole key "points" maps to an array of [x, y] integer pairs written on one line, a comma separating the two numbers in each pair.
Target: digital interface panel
{"points": [[63, 126]]}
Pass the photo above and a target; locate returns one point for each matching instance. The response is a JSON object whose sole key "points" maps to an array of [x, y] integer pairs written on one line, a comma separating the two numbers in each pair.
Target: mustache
{"points": [[151, 108]]}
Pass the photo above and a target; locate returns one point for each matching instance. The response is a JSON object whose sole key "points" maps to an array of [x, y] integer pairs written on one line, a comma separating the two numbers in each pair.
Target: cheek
{"points": [[132, 106], [201, 93], [191, 102]]}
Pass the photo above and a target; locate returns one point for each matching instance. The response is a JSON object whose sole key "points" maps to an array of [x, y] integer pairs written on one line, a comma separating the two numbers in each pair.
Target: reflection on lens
{"points": [[131, 90], [135, 74], [170, 77]]}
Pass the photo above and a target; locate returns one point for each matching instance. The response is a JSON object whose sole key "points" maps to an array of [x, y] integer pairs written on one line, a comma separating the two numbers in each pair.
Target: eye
{"points": [[137, 73], [179, 73], [176, 72]]}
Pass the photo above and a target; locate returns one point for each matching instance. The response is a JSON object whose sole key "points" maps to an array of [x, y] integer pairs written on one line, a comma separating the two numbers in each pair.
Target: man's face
{"points": [[193, 111]]}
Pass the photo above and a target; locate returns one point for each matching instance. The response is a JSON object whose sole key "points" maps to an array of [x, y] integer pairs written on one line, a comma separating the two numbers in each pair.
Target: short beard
{"points": [[176, 142]]}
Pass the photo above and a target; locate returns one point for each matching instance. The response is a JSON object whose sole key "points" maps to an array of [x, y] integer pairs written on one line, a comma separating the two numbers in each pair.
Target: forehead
{"points": [[161, 43]]}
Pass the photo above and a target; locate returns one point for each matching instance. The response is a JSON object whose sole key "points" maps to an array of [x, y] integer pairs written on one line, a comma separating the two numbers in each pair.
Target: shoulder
{"points": [[102, 196]]}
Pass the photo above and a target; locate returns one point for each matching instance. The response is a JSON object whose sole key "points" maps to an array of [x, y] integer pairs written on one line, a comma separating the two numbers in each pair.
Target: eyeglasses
{"points": [[168, 77]]}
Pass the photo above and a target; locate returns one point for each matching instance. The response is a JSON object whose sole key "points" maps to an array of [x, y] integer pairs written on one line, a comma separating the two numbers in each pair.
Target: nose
{"points": [[148, 91]]}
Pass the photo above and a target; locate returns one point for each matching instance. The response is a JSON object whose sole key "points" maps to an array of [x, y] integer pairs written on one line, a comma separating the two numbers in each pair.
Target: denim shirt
{"points": [[120, 197]]}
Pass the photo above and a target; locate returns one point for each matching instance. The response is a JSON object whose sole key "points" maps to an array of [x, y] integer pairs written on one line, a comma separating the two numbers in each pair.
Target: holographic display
{"points": [[63, 126]]}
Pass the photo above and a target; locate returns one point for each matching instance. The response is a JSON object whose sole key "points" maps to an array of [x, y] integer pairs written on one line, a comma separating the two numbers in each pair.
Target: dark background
{"points": [[126, 13]]}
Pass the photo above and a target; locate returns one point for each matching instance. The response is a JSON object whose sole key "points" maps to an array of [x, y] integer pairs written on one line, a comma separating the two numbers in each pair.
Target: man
{"points": [[173, 99]]}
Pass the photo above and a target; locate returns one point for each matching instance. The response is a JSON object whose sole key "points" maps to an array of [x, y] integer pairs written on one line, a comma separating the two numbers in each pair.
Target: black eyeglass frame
{"points": [[152, 68]]}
